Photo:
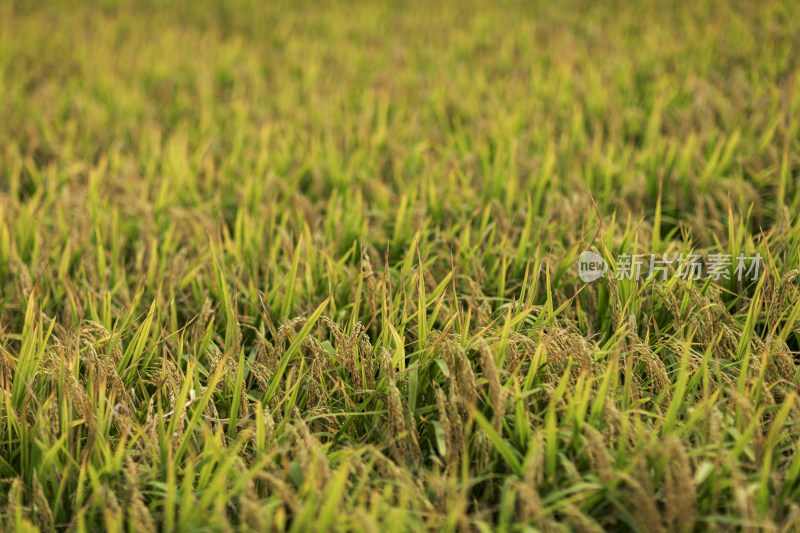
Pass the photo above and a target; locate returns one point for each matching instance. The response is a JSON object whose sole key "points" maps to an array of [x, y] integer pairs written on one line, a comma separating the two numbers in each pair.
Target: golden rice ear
{"points": [[15, 509], [616, 303], [655, 369], [42, 507], [490, 373], [579, 521], [367, 356], [444, 423], [6, 370], [135, 508], [112, 511], [597, 451], [680, 496], [22, 276], [643, 503], [80, 401], [466, 381]]}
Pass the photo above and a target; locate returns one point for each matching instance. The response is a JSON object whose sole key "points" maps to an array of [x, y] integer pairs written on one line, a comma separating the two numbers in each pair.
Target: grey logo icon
{"points": [[591, 266]]}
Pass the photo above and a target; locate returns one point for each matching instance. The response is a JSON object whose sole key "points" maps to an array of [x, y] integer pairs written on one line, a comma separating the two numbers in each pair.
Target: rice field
{"points": [[297, 266]]}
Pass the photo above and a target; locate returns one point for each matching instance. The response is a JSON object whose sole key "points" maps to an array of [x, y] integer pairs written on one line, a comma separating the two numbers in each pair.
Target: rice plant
{"points": [[317, 266]]}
